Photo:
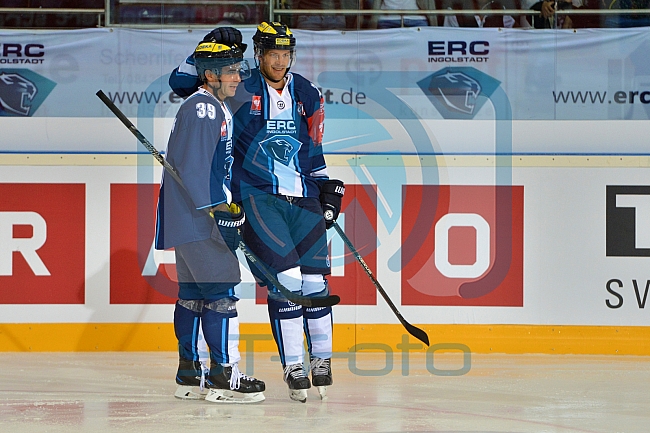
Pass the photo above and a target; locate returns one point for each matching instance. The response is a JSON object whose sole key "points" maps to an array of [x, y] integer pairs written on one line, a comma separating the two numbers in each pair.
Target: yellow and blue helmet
{"points": [[213, 56], [273, 36]]}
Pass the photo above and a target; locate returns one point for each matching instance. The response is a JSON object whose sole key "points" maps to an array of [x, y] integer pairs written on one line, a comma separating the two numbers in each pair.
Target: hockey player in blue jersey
{"points": [[280, 177], [200, 150]]}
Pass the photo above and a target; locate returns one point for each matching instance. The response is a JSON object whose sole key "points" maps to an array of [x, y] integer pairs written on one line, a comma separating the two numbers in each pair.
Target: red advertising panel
{"points": [[359, 222], [464, 246], [359, 208], [139, 274], [42, 243]]}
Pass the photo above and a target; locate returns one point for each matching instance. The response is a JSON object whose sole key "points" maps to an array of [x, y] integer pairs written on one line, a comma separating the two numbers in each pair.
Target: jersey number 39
{"points": [[203, 109]]}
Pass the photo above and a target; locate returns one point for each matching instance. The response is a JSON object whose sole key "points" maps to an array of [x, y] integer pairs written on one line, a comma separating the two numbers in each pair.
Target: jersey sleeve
{"points": [[316, 125], [316, 121], [194, 150], [184, 80]]}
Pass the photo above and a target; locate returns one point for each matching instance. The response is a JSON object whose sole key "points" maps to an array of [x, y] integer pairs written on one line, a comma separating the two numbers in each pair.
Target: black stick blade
{"points": [[305, 301], [414, 331], [327, 301], [417, 333]]}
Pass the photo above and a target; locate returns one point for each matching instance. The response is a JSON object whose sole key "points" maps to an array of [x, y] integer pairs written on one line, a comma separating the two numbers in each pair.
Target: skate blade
{"points": [[226, 396], [186, 392], [298, 395], [322, 392]]}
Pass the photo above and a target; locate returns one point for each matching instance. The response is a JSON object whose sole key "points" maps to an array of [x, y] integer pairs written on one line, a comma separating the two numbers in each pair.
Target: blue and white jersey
{"points": [[278, 135], [200, 149]]}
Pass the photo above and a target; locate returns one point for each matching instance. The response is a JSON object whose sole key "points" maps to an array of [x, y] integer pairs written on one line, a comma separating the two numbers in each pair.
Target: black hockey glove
{"points": [[227, 36], [331, 193], [227, 225]]}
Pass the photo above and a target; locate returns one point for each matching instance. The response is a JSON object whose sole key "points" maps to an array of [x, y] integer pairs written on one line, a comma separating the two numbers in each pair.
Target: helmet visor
{"points": [[242, 68]]}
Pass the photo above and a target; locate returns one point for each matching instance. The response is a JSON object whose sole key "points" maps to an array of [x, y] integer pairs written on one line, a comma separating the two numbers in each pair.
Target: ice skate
{"points": [[298, 383], [190, 379], [321, 375], [226, 384]]}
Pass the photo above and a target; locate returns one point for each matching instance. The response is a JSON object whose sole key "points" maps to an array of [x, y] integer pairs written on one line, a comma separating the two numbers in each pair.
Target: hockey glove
{"points": [[227, 225], [331, 193], [227, 36]]}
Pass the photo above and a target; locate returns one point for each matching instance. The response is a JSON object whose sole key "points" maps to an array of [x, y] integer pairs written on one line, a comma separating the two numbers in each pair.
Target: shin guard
{"points": [[187, 321], [318, 331], [318, 320], [286, 324], [221, 330]]}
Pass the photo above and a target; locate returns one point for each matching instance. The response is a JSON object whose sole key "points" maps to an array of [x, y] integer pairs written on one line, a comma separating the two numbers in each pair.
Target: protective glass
{"points": [[242, 68]]}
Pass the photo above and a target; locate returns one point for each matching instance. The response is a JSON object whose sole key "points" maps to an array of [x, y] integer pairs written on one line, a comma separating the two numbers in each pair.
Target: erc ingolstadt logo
{"points": [[22, 91]]}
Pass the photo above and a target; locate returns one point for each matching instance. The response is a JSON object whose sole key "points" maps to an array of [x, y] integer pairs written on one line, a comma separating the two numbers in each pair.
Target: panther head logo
{"points": [[16, 93], [280, 149], [457, 91]]}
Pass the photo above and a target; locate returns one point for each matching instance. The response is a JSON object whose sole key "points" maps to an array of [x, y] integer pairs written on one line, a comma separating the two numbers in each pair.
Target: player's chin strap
{"points": [[214, 89]]}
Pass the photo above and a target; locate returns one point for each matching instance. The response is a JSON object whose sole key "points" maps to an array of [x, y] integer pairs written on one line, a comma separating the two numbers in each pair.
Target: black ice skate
{"points": [[190, 379], [224, 381], [298, 383], [321, 375]]}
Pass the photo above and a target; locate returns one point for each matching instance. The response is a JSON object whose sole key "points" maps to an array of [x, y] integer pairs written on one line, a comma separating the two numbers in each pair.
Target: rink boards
{"points": [[554, 262]]}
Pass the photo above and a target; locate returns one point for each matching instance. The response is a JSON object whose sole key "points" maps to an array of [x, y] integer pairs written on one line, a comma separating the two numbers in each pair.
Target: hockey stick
{"points": [[305, 301], [413, 330]]}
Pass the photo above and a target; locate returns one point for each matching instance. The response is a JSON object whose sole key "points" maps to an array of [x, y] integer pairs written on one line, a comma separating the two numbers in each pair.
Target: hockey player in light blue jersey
{"points": [[200, 150], [280, 177]]}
